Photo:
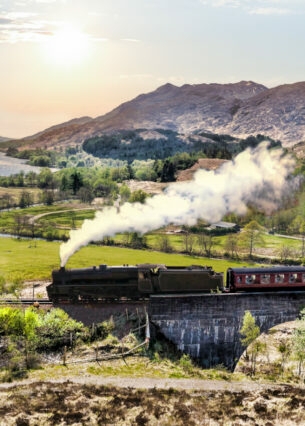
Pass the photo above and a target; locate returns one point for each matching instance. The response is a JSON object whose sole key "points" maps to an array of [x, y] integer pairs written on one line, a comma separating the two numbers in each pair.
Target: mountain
{"points": [[3, 139], [278, 113], [239, 109]]}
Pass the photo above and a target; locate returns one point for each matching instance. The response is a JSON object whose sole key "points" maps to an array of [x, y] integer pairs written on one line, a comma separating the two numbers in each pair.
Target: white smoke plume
{"points": [[257, 176]]}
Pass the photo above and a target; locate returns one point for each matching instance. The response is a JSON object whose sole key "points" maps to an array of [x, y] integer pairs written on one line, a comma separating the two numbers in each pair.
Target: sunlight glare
{"points": [[67, 47]]}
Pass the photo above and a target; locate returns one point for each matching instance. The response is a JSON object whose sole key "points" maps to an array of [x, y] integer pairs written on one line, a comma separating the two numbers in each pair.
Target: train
{"points": [[109, 283]]}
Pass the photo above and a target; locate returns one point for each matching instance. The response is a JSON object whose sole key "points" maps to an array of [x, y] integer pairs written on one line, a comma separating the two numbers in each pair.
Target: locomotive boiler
{"points": [[131, 282]]}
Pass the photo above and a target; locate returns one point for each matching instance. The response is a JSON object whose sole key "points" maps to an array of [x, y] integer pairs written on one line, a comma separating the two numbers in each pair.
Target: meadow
{"points": [[35, 259]]}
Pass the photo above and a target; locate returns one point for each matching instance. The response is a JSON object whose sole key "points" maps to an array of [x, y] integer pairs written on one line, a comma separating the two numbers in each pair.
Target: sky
{"points": [[63, 59]]}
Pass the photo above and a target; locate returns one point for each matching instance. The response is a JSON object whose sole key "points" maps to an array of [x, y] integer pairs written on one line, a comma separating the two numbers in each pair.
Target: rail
{"points": [[25, 302]]}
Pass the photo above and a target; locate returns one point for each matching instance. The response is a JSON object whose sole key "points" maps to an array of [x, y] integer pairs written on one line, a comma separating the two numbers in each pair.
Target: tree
{"points": [[64, 183], [298, 227], [20, 222], [6, 201], [47, 197], [146, 173], [251, 235], [25, 199], [86, 194], [231, 245], [168, 172], [205, 242], [164, 244], [45, 179], [76, 181], [104, 187], [188, 241], [285, 252], [138, 196], [284, 349], [41, 161], [249, 332], [20, 179], [124, 193], [31, 178], [11, 151], [298, 341], [137, 241]]}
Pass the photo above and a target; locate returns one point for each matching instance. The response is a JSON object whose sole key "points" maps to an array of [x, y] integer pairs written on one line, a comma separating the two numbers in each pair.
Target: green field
{"points": [[27, 259], [35, 259]]}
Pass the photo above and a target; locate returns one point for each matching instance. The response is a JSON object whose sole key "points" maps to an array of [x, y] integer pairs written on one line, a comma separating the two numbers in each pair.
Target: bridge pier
{"points": [[207, 326]]}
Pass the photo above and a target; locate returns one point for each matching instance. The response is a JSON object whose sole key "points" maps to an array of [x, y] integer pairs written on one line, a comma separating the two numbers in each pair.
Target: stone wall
{"points": [[207, 326], [97, 312]]}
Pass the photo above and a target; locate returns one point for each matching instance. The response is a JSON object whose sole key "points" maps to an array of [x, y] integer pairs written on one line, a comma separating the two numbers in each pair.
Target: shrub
{"points": [[186, 363], [102, 330], [56, 330]]}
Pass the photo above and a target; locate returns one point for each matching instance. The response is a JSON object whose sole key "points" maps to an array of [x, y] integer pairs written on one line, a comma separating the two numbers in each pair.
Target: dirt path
{"points": [[155, 383], [38, 216]]}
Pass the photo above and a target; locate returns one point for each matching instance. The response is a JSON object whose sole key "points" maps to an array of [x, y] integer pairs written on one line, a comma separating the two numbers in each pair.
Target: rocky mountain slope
{"points": [[238, 109]]}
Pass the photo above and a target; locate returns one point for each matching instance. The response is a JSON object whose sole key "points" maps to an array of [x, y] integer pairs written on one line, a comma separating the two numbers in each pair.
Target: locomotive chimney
{"points": [[62, 269]]}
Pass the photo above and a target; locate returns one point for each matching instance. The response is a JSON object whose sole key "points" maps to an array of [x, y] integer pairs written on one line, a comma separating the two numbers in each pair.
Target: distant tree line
{"points": [[130, 145]]}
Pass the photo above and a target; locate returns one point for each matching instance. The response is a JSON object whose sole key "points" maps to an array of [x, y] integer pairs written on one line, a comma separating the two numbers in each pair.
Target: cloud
{"points": [[270, 11], [135, 76], [131, 40], [260, 7], [17, 26]]}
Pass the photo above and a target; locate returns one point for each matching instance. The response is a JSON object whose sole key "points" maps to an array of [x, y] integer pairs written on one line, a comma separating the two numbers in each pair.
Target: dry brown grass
{"points": [[74, 404]]}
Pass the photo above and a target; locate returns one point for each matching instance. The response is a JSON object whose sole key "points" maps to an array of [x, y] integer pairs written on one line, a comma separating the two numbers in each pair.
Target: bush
{"points": [[102, 330], [56, 330], [2, 285], [186, 364]]}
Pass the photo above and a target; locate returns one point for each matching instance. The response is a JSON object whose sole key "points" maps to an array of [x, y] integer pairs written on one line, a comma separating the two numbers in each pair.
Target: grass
{"points": [[16, 192], [35, 259], [134, 367], [70, 218]]}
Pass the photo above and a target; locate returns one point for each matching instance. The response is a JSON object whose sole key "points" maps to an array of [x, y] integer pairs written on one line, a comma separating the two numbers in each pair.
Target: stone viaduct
{"points": [[207, 326]]}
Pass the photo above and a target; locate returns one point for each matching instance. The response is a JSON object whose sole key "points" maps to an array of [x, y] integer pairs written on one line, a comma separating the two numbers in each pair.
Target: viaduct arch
{"points": [[207, 326]]}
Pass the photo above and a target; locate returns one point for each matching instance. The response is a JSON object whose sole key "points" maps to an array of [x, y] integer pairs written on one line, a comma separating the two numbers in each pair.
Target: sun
{"points": [[67, 47]]}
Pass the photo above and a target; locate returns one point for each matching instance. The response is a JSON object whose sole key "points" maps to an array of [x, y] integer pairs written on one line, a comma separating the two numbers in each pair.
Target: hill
{"points": [[239, 109], [3, 139]]}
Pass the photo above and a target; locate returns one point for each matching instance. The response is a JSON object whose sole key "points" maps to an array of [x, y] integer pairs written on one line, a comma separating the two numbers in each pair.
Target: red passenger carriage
{"points": [[265, 279]]}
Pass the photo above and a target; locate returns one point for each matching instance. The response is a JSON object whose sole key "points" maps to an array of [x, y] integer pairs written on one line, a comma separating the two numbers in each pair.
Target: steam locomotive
{"points": [[141, 281]]}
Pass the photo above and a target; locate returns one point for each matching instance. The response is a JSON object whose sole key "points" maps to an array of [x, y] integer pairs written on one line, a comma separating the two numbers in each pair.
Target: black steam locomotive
{"points": [[131, 282], [140, 281]]}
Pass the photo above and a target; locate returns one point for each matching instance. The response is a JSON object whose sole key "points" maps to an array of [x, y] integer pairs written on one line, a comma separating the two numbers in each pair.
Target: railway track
{"points": [[38, 302], [27, 302]]}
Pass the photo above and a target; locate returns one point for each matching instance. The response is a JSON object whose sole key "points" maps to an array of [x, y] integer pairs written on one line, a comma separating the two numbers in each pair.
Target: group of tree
{"points": [[35, 157], [27, 333], [288, 348]]}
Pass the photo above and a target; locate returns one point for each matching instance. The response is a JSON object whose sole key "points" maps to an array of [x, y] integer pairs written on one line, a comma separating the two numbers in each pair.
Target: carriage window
{"points": [[303, 278], [292, 278], [279, 278], [238, 279], [265, 279], [250, 279]]}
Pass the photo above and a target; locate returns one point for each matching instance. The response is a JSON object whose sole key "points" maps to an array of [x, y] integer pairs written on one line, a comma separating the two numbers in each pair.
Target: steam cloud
{"points": [[257, 176]]}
